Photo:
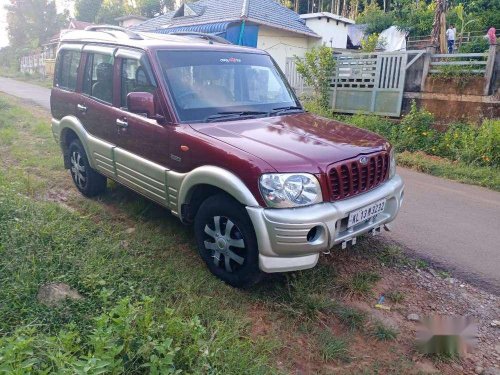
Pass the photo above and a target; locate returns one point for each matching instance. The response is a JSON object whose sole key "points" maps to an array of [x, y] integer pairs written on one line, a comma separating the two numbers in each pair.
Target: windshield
{"points": [[213, 84]]}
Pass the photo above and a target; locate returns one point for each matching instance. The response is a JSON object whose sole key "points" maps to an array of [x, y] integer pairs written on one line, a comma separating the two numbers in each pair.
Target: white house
{"points": [[130, 20], [332, 28]]}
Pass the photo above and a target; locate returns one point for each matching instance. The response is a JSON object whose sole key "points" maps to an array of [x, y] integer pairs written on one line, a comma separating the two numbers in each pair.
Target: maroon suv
{"points": [[214, 133]]}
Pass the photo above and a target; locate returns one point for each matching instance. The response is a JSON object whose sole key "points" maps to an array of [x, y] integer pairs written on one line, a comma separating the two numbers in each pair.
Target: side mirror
{"points": [[142, 102]]}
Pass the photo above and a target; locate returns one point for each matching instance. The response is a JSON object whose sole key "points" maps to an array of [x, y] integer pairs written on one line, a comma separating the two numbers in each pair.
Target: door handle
{"points": [[81, 108], [122, 123]]}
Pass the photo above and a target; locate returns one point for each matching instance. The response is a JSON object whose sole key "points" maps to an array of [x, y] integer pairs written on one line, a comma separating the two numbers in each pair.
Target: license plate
{"points": [[366, 212]]}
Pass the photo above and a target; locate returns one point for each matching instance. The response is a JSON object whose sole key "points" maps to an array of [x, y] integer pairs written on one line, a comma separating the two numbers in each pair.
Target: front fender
{"points": [[218, 177]]}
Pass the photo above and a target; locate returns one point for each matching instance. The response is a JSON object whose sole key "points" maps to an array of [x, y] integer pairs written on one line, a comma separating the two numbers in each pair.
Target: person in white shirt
{"points": [[450, 35]]}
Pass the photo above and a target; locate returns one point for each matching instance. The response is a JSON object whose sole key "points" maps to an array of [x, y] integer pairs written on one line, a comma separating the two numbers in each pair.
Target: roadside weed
{"points": [[353, 319], [395, 296], [384, 333], [391, 255], [332, 347], [360, 283]]}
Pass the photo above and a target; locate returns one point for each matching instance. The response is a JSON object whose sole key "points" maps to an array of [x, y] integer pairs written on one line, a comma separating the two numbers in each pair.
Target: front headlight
{"points": [[282, 190], [392, 164]]}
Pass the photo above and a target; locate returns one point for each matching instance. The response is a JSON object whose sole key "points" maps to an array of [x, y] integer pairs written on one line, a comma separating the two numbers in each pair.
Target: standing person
{"points": [[450, 35], [492, 35]]}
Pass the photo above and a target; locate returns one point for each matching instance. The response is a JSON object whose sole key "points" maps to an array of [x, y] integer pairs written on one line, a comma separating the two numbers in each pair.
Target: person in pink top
{"points": [[492, 35]]}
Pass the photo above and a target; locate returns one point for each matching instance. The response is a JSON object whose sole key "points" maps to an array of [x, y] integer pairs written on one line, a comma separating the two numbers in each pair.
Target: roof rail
{"points": [[129, 33], [211, 38]]}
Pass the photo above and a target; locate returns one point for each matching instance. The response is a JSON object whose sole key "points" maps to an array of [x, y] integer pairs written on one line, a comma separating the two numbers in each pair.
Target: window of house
{"points": [[135, 77], [98, 77], [67, 69]]}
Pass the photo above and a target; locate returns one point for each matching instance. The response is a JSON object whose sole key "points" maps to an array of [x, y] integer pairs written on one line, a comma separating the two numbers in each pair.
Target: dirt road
{"points": [[453, 224]]}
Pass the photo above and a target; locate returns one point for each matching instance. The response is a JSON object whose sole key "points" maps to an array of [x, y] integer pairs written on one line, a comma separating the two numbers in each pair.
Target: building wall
{"points": [[333, 33], [130, 22], [281, 44]]}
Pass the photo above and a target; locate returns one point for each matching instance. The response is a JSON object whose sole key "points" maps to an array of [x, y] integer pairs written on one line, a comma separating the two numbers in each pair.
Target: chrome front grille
{"points": [[351, 177]]}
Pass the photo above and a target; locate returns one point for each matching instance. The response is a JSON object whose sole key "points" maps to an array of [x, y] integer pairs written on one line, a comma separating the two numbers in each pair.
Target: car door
{"points": [[96, 110], [64, 96], [141, 155]]}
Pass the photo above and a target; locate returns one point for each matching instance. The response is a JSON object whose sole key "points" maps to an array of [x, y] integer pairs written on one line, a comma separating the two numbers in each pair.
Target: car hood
{"points": [[295, 143]]}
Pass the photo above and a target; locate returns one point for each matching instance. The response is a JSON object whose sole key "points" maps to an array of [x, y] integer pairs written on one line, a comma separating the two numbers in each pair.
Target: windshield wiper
{"points": [[230, 115], [281, 110]]}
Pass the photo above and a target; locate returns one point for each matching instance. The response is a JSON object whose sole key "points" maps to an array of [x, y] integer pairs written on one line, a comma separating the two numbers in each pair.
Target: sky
{"points": [[4, 39]]}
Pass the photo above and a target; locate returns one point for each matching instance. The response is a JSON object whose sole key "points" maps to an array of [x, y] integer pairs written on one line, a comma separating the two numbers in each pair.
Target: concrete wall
{"points": [[333, 33], [282, 44]]}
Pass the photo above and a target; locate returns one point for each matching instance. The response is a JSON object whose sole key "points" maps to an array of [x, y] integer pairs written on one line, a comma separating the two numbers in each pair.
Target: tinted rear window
{"points": [[67, 69]]}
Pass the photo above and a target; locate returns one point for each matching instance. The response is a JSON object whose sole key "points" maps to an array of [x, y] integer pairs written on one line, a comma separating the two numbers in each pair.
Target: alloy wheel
{"points": [[226, 244], [78, 170]]}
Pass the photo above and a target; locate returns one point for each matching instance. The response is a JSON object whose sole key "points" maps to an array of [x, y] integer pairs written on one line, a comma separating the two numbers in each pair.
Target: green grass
{"points": [[384, 333], [488, 177], [150, 304], [43, 242], [396, 296], [391, 255], [360, 283], [332, 347], [350, 317]]}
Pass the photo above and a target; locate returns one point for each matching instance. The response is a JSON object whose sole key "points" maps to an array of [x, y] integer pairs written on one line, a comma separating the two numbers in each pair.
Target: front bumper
{"points": [[282, 233]]}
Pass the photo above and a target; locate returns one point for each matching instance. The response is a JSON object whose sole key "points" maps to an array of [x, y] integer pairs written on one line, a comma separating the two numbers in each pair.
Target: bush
{"points": [[317, 70], [469, 144], [416, 132], [476, 45], [373, 42], [126, 339]]}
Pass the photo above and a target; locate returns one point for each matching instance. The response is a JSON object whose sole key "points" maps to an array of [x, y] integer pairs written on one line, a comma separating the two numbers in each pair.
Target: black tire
{"points": [[239, 245], [87, 180]]}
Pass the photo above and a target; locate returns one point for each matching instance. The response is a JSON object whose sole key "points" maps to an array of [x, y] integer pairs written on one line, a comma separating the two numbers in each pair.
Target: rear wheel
{"points": [[89, 182], [226, 241]]}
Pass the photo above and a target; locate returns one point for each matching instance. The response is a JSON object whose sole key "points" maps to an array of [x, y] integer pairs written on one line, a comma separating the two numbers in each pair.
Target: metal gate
{"points": [[371, 83]]}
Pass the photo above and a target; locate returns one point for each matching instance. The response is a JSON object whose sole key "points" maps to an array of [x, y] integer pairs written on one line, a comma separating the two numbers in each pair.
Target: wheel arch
{"points": [[70, 129], [206, 181]]}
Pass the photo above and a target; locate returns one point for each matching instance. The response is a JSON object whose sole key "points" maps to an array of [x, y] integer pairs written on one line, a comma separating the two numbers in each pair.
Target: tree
{"points": [[152, 8], [86, 10], [376, 19], [111, 9], [437, 24], [414, 17], [30, 23]]}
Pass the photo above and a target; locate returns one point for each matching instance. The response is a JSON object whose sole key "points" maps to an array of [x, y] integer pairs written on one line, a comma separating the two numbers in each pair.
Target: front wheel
{"points": [[226, 241]]}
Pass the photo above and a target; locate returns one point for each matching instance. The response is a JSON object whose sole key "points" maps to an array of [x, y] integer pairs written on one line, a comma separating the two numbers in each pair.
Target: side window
{"points": [[67, 69], [136, 77], [98, 77]]}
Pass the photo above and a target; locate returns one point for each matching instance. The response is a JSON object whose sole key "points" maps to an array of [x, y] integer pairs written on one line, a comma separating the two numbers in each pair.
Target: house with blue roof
{"points": [[264, 24]]}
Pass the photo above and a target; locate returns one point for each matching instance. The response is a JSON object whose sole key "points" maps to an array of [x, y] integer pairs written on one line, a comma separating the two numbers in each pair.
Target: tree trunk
{"points": [[436, 26]]}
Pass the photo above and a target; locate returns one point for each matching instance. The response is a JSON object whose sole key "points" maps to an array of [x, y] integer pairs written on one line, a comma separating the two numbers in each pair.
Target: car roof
{"points": [[154, 41]]}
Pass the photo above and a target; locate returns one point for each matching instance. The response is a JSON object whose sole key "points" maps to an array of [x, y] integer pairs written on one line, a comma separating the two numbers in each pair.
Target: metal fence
{"points": [[459, 62], [38, 63], [293, 77], [421, 42]]}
